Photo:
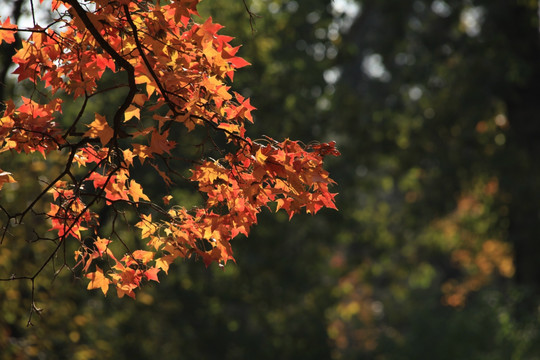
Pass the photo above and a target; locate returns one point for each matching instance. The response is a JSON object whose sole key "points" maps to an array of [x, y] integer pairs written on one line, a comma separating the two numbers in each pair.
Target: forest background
{"points": [[433, 253]]}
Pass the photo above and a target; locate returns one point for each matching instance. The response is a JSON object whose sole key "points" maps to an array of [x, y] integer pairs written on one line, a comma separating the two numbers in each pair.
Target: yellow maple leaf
{"points": [[143, 79], [132, 111], [136, 191], [232, 128], [99, 128], [98, 281], [156, 242], [214, 85], [146, 225], [260, 156], [128, 157], [143, 255], [141, 151], [163, 263]]}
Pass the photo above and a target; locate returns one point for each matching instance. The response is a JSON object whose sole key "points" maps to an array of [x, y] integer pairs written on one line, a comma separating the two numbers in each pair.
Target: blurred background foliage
{"points": [[433, 254]]}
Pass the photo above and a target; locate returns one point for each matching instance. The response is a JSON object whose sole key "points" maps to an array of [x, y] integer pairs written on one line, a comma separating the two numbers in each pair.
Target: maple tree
{"points": [[174, 73]]}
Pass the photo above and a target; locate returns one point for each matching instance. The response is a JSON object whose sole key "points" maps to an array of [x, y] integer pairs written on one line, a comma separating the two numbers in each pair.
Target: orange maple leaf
{"points": [[166, 199], [102, 245], [7, 33], [160, 144], [151, 274], [143, 255]]}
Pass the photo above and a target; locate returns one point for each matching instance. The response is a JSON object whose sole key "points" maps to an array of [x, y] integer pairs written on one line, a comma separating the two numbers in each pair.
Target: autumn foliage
{"points": [[174, 73]]}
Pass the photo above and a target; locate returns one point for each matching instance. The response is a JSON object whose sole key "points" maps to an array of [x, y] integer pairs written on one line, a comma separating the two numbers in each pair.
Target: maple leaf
{"points": [[260, 156], [327, 149], [143, 255], [140, 99], [146, 225], [98, 281], [163, 264], [231, 128], [128, 157], [238, 62], [5, 177], [132, 111], [166, 199], [216, 86], [141, 151], [102, 245], [156, 242], [160, 143], [151, 274], [8, 31], [99, 128], [136, 191]]}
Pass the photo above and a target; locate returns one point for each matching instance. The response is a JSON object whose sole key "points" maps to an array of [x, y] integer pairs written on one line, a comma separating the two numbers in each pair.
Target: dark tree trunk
{"points": [[520, 178]]}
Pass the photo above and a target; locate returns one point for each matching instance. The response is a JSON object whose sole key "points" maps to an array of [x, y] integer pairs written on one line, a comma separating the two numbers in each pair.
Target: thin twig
{"points": [[252, 17]]}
